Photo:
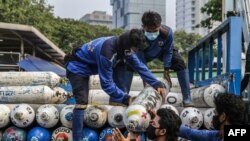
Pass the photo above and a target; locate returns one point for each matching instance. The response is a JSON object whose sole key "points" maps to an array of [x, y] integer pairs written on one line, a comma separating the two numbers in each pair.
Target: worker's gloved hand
{"points": [[167, 77], [162, 92]]}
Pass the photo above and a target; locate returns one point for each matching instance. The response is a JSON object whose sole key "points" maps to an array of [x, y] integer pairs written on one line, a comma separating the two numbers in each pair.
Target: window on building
{"points": [[118, 4], [193, 15], [193, 28], [193, 21], [193, 2], [96, 16], [193, 9], [122, 12]]}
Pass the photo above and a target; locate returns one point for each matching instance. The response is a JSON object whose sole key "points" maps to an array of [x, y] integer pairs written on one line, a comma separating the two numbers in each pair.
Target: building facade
{"points": [[98, 18], [127, 13], [188, 15]]}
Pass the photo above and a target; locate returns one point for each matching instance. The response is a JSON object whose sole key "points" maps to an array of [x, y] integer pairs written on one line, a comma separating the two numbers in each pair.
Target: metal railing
{"points": [[225, 43]]}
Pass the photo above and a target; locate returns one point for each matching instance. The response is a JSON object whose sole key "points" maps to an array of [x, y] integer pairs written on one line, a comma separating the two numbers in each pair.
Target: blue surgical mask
{"points": [[151, 35]]}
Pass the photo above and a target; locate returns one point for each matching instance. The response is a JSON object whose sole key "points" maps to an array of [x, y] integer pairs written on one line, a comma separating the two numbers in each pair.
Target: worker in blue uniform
{"points": [[159, 46], [99, 57]]}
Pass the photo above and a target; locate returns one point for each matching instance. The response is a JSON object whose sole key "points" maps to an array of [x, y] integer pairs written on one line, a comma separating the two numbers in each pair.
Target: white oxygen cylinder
{"points": [[208, 118], [4, 115], [66, 116], [115, 116], [136, 85], [47, 116], [32, 94], [171, 107], [197, 95], [136, 118], [95, 116], [174, 99], [192, 117], [22, 115], [211, 92], [29, 79]]}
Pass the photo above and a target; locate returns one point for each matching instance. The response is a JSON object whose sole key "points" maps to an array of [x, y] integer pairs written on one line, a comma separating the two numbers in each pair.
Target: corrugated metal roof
{"points": [[12, 34]]}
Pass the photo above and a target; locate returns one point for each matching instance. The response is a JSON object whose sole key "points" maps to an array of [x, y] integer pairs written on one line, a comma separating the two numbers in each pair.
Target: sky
{"points": [[77, 8]]}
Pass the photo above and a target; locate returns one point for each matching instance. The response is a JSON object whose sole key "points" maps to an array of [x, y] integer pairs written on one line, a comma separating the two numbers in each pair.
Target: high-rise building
{"points": [[98, 18], [127, 13], [188, 15]]}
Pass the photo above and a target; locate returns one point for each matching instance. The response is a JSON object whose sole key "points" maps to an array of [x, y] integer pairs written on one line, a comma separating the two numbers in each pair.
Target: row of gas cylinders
{"points": [[96, 117], [39, 133], [189, 116], [43, 88]]}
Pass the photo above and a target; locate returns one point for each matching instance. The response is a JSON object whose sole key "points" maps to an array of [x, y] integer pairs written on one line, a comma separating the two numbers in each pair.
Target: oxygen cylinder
{"points": [[136, 118], [174, 99], [134, 93], [115, 116], [176, 88], [137, 84], [94, 82], [31, 94], [14, 134], [60, 95], [171, 107], [38, 134], [4, 115], [47, 116], [211, 92], [66, 116], [95, 116], [106, 134], [208, 118], [197, 95], [89, 134], [29, 79], [191, 117], [62, 134], [98, 97], [149, 99], [22, 115]]}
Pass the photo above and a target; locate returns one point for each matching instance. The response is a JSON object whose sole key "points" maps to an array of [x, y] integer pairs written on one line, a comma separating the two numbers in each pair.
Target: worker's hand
{"points": [[167, 77], [118, 136], [162, 92]]}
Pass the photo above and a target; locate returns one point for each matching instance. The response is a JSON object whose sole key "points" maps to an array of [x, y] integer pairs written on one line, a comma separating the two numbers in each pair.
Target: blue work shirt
{"points": [[199, 135], [161, 48], [98, 57]]}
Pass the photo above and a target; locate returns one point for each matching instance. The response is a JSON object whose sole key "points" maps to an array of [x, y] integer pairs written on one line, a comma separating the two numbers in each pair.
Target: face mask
{"points": [[150, 132], [216, 122], [151, 35]]}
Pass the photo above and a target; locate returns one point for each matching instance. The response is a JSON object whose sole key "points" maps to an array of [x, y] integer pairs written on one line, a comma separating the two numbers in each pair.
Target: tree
{"points": [[183, 41], [65, 33], [213, 8]]}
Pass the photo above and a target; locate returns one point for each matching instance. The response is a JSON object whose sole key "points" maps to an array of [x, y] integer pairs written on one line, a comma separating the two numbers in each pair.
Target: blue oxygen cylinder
{"points": [[106, 134], [89, 134], [38, 134]]}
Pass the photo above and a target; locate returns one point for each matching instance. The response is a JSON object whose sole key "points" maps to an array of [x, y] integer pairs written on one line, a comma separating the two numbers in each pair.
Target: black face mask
{"points": [[216, 122], [151, 132]]}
